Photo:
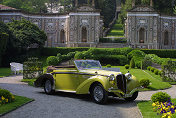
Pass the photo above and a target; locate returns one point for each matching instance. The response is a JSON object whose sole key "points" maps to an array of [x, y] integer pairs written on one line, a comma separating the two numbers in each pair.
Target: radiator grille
{"points": [[121, 82]]}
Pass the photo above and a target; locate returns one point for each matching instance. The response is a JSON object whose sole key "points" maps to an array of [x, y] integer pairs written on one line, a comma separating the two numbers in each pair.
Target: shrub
{"points": [[156, 71], [145, 82], [152, 69], [79, 55], [7, 95], [149, 67], [136, 53], [52, 60], [127, 66], [111, 59], [62, 50], [59, 57], [163, 53], [160, 97], [108, 66], [159, 73], [132, 64], [71, 55]]}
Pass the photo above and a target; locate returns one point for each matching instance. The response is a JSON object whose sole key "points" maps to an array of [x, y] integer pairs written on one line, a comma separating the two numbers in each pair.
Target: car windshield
{"points": [[88, 64]]}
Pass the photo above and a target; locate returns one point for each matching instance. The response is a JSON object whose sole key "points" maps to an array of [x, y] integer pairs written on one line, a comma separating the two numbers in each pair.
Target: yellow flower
{"points": [[169, 117], [2, 98], [153, 104], [6, 100]]}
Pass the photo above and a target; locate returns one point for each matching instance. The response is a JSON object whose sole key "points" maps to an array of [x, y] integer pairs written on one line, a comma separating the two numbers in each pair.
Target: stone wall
{"points": [[146, 28]]}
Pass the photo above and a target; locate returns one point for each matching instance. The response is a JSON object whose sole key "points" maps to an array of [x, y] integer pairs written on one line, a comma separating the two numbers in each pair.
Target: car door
{"points": [[67, 81]]}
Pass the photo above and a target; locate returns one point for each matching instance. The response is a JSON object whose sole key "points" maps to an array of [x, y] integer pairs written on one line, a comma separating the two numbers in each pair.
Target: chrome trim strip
{"points": [[77, 73], [65, 91]]}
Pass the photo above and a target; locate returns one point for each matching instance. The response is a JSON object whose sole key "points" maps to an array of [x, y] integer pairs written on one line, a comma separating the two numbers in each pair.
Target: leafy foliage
{"points": [[27, 5], [52, 60], [144, 82], [27, 34], [160, 97], [6, 95], [127, 66], [132, 63]]}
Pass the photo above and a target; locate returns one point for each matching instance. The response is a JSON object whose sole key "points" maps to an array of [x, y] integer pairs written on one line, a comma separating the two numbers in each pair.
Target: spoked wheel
{"points": [[48, 87], [134, 96], [99, 94]]}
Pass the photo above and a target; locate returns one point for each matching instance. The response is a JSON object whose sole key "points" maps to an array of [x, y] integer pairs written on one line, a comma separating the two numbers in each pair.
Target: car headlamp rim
{"points": [[128, 75], [111, 77]]}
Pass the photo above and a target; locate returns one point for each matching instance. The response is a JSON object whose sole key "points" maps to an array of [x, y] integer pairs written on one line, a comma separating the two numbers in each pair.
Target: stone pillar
{"points": [[76, 3], [133, 3], [151, 3], [93, 3]]}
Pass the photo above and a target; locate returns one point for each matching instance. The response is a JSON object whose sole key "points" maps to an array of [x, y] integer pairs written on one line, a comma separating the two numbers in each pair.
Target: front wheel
{"points": [[48, 87], [134, 96], [99, 94]]}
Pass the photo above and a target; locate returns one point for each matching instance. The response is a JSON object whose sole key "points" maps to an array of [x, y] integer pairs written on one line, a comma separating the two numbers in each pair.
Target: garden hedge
{"points": [[61, 50], [163, 53]]}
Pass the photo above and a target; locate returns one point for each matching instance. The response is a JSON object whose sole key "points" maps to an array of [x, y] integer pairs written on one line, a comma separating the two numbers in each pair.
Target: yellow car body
{"points": [[81, 81]]}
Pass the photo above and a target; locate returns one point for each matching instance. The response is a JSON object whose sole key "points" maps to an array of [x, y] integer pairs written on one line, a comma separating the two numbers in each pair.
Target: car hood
{"points": [[99, 72]]}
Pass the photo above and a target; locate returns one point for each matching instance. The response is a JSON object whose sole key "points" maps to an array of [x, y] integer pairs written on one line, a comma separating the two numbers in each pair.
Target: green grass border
{"points": [[146, 109], [5, 72], [19, 102]]}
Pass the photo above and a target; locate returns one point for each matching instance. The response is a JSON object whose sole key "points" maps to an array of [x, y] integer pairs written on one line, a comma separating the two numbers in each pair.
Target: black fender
{"points": [[41, 80]]}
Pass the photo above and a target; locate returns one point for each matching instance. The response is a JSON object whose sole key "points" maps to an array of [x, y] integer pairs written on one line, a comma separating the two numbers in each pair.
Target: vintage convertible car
{"points": [[88, 76]]}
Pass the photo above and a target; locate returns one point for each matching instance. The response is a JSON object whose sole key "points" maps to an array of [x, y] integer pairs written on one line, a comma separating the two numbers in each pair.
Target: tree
{"points": [[27, 5], [4, 39], [26, 34]]}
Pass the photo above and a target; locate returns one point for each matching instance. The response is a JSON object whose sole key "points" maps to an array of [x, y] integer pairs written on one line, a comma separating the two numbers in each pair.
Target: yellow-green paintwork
{"points": [[80, 83]]}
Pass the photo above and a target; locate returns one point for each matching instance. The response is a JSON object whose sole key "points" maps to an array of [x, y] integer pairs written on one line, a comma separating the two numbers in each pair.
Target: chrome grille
{"points": [[121, 82]]}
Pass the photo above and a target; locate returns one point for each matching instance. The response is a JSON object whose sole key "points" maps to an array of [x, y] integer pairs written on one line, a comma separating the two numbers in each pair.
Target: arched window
{"points": [[141, 35], [62, 36], [166, 38], [84, 34]]}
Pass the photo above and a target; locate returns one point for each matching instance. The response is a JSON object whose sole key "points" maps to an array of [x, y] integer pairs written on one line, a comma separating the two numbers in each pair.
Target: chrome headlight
{"points": [[128, 76], [111, 77]]}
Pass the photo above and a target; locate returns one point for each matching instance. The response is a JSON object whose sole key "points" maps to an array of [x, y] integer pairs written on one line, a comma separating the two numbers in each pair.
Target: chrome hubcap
{"points": [[98, 93], [48, 86]]}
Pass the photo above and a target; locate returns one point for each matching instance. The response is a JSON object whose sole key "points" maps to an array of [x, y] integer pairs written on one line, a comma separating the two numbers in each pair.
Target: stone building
{"points": [[82, 27], [146, 28]]}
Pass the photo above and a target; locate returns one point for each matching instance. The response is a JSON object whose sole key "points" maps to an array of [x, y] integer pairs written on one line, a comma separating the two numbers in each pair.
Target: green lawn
{"points": [[156, 81], [147, 109], [19, 101], [116, 31], [5, 72]]}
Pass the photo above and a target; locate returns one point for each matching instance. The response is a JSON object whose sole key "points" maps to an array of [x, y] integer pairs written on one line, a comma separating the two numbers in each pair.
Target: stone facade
{"points": [[146, 28], [80, 28]]}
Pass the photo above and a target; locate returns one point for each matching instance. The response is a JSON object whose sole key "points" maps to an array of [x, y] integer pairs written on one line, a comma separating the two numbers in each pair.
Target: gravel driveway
{"points": [[68, 105], [64, 105]]}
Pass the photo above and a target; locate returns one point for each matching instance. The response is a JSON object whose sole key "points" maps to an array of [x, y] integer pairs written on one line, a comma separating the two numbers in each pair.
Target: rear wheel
{"points": [[48, 87], [134, 96], [99, 94]]}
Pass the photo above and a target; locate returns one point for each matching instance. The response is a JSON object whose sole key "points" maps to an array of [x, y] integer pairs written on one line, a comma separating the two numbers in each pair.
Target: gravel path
{"points": [[68, 105]]}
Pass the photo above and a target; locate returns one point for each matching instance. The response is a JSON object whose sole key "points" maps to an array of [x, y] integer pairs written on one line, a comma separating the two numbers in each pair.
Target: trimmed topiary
{"points": [[152, 69], [108, 66], [148, 68], [156, 71], [160, 97], [127, 66], [144, 83], [132, 63], [52, 60]]}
